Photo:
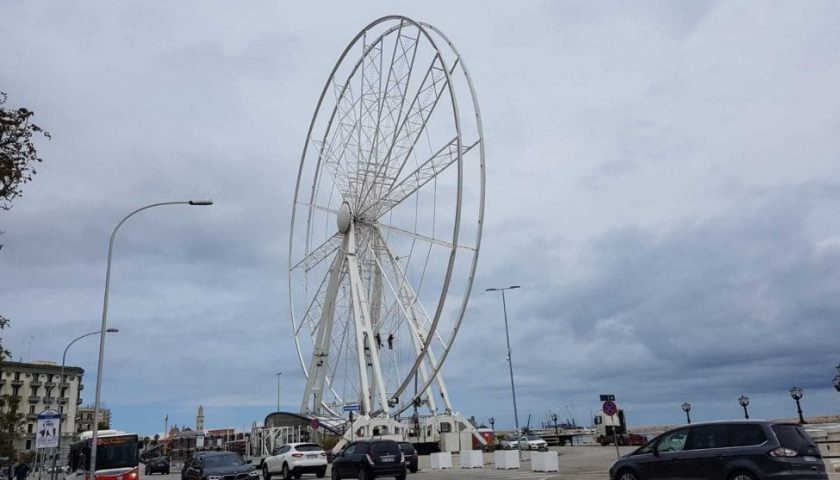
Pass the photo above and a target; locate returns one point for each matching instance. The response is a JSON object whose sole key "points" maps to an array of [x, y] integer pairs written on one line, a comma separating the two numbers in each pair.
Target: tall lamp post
{"points": [[61, 385], [509, 357], [278, 389], [687, 408], [554, 418], [836, 380], [744, 401], [93, 440], [796, 393], [492, 421]]}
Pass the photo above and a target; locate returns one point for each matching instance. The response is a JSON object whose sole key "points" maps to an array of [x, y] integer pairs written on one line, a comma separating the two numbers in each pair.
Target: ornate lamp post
{"points": [[687, 408], [744, 401], [492, 423], [796, 394], [554, 418], [836, 380]]}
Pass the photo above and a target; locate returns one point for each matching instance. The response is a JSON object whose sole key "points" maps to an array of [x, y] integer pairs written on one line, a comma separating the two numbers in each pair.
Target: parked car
{"points": [[157, 464], [509, 444], [216, 465], [410, 455], [368, 459], [532, 442], [295, 459], [742, 450]]}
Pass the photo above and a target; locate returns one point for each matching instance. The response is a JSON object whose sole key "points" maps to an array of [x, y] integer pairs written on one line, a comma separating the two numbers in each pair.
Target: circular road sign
{"points": [[609, 408], [315, 424]]}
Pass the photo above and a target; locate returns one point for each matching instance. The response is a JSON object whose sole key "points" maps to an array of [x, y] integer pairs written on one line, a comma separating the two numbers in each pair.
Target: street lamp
{"points": [[687, 408], [278, 389], [836, 380], [796, 393], [61, 383], [492, 423], [509, 357], [93, 440], [744, 401], [554, 417]]}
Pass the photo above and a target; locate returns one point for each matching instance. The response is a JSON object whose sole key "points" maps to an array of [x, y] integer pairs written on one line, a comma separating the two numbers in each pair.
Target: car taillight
{"points": [[132, 475], [323, 454], [783, 452], [297, 455]]}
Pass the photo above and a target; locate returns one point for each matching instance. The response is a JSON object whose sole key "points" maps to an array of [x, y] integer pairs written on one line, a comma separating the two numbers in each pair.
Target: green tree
{"points": [[103, 425], [18, 154], [11, 421]]}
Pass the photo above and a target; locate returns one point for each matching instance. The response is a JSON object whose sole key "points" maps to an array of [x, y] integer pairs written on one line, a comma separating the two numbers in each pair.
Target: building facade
{"points": [[38, 387], [84, 419]]}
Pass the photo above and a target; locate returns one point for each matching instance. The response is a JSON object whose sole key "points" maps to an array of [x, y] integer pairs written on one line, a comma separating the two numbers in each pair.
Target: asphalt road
{"points": [[576, 463]]}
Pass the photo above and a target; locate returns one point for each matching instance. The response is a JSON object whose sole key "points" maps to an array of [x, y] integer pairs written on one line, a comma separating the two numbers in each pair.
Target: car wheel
{"points": [[334, 474], [266, 473], [321, 473], [400, 477], [363, 475], [742, 476], [413, 469], [627, 475], [285, 472]]}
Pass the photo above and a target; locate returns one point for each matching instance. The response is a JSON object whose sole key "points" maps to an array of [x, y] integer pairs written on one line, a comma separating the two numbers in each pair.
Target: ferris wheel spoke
{"points": [[317, 255], [417, 236], [435, 83]]}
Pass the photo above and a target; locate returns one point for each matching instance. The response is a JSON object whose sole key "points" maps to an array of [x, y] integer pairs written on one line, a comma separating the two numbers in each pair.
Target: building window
{"points": [[34, 391], [28, 445], [29, 429], [17, 375], [16, 390], [63, 392], [32, 409]]}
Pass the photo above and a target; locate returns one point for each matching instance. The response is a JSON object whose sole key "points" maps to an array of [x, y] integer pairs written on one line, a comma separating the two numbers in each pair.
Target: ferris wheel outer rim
{"points": [[422, 27]]}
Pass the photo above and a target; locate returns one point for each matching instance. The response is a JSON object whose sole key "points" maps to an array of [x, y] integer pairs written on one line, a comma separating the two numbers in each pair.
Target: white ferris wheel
{"points": [[386, 223]]}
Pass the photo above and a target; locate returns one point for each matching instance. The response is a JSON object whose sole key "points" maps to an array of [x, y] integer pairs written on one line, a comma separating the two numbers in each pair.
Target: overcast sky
{"points": [[663, 180]]}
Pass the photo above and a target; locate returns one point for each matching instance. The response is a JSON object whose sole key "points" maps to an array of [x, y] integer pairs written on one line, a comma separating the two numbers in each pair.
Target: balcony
{"points": [[49, 400], [16, 383], [62, 401], [79, 401], [35, 383], [34, 399], [81, 387]]}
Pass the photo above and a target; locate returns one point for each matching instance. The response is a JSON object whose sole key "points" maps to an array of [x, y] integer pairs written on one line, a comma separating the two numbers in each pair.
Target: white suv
{"points": [[295, 459], [532, 442]]}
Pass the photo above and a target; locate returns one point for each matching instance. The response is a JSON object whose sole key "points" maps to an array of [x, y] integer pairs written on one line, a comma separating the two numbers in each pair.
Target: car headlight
{"points": [[254, 473]]}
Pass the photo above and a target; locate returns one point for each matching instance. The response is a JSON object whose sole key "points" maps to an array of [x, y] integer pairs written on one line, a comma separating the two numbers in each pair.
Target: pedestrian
{"points": [[21, 471]]}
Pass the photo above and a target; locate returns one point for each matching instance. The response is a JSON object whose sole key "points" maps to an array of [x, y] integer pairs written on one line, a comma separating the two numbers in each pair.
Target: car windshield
{"points": [[308, 447], [215, 461], [384, 447], [116, 456], [533, 437], [406, 447]]}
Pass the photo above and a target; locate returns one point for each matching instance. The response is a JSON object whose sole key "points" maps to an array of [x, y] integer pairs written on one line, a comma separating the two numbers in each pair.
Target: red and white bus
{"points": [[117, 455]]}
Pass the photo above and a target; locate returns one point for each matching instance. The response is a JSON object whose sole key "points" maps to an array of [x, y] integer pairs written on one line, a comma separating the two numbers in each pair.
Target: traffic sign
{"points": [[608, 397], [609, 408], [315, 423], [352, 407]]}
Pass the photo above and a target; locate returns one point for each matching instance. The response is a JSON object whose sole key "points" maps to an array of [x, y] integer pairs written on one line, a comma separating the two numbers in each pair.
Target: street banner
{"points": [[46, 435]]}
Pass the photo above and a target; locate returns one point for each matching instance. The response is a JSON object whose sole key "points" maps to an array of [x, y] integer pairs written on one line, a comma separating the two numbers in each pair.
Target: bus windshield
{"points": [[116, 456]]}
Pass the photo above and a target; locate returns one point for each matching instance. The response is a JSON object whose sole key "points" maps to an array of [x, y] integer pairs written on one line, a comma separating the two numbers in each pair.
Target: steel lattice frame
{"points": [[391, 166]]}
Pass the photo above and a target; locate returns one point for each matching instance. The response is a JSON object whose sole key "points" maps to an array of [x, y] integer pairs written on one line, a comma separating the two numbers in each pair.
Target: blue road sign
{"points": [[352, 407]]}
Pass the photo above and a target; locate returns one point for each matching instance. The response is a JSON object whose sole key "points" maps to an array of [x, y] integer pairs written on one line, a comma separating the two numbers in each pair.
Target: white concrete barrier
{"points": [[441, 460], [472, 459], [506, 459], [544, 462]]}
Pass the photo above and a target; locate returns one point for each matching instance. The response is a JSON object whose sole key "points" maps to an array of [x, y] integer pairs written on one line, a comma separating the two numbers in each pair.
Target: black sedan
{"points": [[218, 466], [158, 465]]}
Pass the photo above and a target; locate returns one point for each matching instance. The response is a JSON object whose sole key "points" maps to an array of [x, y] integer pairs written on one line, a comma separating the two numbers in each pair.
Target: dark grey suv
{"points": [[743, 450]]}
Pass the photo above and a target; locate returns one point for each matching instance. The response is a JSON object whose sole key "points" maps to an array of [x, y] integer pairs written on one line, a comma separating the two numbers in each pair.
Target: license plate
{"points": [[810, 459], [312, 456], [387, 458]]}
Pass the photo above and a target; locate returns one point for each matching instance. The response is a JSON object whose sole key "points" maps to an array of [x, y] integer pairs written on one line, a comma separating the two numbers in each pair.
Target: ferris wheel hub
{"points": [[344, 217]]}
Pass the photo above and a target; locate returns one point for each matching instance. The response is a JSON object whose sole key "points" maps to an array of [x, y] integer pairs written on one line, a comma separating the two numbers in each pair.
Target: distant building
{"points": [[84, 422], [199, 420], [39, 387]]}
